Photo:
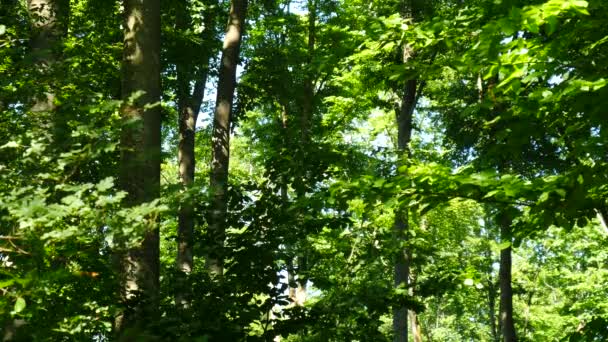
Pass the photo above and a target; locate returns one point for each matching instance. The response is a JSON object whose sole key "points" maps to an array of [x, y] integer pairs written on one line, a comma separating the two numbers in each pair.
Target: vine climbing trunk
{"points": [[221, 136], [140, 161], [506, 292], [189, 105]]}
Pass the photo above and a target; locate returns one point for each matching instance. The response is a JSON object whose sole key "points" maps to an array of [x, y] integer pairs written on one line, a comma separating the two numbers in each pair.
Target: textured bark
{"points": [[506, 292], [140, 160], [221, 136], [189, 104]]}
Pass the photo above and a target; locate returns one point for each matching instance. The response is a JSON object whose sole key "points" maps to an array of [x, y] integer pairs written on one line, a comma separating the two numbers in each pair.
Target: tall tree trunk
{"points": [[221, 136], [402, 263], [506, 292], [189, 105], [404, 113], [140, 159]]}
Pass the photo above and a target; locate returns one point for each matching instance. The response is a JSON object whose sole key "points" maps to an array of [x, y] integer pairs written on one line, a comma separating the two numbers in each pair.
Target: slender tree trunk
{"points": [[140, 160], [401, 227], [221, 136], [506, 292], [189, 105], [404, 115]]}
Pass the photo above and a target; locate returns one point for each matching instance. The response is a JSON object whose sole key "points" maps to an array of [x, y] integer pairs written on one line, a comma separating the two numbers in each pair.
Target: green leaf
{"points": [[19, 305], [10, 144], [105, 184], [551, 24], [504, 245]]}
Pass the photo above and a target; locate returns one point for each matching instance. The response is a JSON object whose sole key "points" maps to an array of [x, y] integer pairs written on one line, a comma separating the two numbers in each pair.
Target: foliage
{"points": [[510, 119]]}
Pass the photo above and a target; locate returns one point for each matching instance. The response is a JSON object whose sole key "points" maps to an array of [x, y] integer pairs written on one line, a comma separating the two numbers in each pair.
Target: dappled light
{"points": [[303, 170]]}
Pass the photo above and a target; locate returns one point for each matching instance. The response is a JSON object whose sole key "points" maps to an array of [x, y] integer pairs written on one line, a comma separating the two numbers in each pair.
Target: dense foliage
{"points": [[502, 181]]}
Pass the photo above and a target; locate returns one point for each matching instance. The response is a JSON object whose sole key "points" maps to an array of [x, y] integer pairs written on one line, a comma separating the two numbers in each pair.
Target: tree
{"points": [[221, 135], [189, 101], [140, 161], [507, 324], [488, 141], [404, 113]]}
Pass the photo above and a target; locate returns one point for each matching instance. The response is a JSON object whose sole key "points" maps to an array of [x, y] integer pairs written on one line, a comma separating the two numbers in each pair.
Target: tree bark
{"points": [[140, 160], [402, 263], [189, 105], [221, 136], [416, 329], [492, 310], [506, 292], [49, 24]]}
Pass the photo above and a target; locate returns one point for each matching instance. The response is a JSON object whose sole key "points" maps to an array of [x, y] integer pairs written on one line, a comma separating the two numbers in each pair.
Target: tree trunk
{"points": [[416, 329], [189, 105], [49, 25], [140, 160], [221, 136], [404, 114], [492, 310], [506, 292], [402, 263]]}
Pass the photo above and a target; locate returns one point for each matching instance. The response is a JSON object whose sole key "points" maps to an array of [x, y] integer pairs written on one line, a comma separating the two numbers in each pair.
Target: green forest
{"points": [[304, 170]]}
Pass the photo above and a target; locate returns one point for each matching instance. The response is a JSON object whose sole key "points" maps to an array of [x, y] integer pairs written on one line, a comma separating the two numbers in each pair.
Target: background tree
{"points": [[221, 134]]}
